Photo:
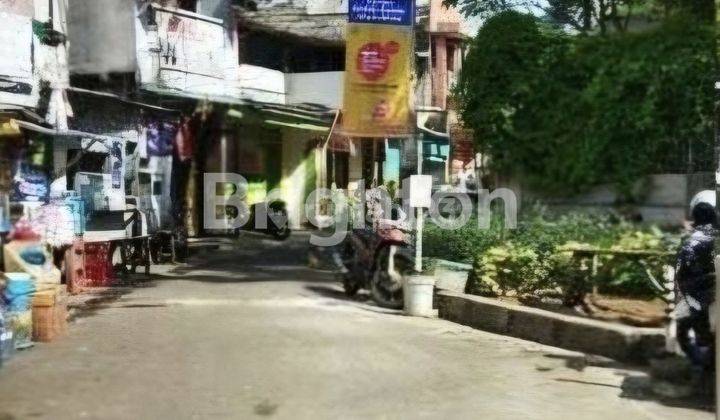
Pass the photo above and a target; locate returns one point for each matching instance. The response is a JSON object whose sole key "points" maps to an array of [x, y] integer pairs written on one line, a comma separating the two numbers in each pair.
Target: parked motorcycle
{"points": [[277, 223], [377, 261]]}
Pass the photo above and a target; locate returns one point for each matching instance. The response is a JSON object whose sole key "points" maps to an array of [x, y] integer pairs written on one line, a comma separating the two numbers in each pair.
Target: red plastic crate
{"points": [[98, 265]]}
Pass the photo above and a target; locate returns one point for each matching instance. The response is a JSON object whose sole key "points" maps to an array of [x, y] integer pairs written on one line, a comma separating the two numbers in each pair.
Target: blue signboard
{"points": [[388, 12]]}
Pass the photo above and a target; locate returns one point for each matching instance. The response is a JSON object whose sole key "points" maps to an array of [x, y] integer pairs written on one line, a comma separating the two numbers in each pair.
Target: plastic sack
{"points": [[18, 291]]}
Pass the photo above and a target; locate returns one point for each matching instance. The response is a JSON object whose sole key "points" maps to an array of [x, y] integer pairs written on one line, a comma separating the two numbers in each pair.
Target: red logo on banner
{"points": [[373, 59]]}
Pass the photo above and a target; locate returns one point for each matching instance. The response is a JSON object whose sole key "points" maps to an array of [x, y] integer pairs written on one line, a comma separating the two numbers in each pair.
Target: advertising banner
{"points": [[387, 12], [377, 81]]}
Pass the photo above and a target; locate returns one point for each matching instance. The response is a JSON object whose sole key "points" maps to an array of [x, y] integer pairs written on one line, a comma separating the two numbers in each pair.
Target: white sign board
{"points": [[420, 191]]}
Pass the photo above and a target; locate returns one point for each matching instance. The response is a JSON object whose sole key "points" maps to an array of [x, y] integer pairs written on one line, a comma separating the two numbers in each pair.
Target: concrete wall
{"points": [[262, 84], [321, 7], [324, 88], [16, 46], [102, 34], [664, 198], [188, 52], [443, 19], [24, 60]]}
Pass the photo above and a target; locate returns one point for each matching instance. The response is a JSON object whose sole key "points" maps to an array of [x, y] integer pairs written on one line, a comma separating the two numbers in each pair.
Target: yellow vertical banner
{"points": [[377, 81]]}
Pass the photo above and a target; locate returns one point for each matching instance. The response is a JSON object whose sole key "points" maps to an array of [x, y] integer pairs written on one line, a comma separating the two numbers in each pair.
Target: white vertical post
{"points": [[420, 211], [376, 170]]}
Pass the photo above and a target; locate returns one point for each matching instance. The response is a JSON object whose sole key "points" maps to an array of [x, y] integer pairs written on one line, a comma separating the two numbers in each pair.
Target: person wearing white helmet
{"points": [[695, 283]]}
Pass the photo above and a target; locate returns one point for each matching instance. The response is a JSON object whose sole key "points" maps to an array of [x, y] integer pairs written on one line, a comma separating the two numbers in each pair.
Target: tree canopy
{"points": [[567, 112], [591, 16]]}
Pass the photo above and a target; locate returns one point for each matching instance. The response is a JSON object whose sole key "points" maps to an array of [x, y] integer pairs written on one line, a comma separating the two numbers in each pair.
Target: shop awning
{"points": [[63, 133], [119, 98], [221, 99], [300, 126]]}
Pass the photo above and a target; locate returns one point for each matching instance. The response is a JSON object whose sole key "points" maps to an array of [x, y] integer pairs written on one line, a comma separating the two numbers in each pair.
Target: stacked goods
{"points": [[56, 223], [49, 315]]}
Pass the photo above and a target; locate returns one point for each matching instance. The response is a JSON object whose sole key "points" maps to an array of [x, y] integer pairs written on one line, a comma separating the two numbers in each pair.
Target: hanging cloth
{"points": [[185, 140]]}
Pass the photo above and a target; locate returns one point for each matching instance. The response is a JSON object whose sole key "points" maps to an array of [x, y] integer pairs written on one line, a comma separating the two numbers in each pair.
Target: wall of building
{"points": [[444, 19], [16, 65], [103, 36], [323, 88], [25, 61], [664, 197], [187, 52], [299, 173], [262, 84], [322, 7]]}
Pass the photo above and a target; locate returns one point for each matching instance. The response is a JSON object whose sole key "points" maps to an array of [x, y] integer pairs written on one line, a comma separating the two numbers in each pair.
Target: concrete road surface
{"points": [[252, 333]]}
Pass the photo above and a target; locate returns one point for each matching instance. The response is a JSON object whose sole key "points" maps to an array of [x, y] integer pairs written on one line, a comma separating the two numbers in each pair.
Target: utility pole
{"points": [[717, 205]]}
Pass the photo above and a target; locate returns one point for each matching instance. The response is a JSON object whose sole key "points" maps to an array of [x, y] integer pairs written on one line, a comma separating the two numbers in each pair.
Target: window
{"points": [[189, 5], [451, 58], [287, 55]]}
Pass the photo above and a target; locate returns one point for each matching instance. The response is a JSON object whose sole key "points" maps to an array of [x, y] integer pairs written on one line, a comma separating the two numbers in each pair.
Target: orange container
{"points": [[49, 316]]}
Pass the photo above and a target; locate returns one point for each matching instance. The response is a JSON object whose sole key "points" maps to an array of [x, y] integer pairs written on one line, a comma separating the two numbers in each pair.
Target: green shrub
{"points": [[537, 258], [509, 268], [629, 276], [460, 245]]}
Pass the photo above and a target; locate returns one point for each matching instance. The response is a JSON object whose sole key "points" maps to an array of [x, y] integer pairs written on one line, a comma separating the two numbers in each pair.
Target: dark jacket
{"points": [[695, 270]]}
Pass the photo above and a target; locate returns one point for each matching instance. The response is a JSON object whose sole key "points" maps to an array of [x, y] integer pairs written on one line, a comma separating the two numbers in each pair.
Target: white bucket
{"points": [[418, 295]]}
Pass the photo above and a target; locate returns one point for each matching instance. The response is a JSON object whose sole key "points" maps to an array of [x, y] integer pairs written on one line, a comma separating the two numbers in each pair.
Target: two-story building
{"points": [[259, 86], [298, 49]]}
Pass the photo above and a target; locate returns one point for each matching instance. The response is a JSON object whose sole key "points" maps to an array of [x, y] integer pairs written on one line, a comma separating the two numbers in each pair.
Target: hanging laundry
{"points": [[185, 140], [29, 184], [160, 137]]}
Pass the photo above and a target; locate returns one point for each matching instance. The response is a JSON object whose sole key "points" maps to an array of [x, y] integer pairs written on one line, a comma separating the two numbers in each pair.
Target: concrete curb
{"points": [[619, 342]]}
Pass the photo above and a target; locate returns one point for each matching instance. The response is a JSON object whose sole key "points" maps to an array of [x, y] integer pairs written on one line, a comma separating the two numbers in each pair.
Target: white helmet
{"points": [[706, 196]]}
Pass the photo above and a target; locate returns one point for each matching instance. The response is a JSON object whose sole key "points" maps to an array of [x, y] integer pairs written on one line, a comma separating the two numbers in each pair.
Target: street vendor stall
{"points": [[98, 225]]}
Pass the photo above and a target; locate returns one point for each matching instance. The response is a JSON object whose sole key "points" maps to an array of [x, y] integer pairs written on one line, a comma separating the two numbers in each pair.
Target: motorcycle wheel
{"points": [[350, 286], [281, 233], [385, 290]]}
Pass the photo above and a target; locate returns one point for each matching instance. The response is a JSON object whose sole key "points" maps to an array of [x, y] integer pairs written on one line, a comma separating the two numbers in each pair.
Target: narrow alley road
{"points": [[252, 333]]}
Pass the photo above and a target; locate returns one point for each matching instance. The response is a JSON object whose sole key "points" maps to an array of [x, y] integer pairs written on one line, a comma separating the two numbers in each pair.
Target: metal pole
{"points": [[717, 196], [376, 171], [420, 215]]}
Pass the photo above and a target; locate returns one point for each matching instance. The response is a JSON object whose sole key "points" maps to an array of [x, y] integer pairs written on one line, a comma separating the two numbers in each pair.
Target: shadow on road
{"points": [[361, 300], [640, 387], [644, 388]]}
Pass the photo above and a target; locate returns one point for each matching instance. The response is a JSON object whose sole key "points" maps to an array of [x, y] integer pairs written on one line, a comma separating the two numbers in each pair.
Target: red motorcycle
{"points": [[378, 261]]}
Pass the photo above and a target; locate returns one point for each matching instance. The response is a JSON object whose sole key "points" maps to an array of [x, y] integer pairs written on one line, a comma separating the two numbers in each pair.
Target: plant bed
{"points": [[635, 312], [568, 331]]}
